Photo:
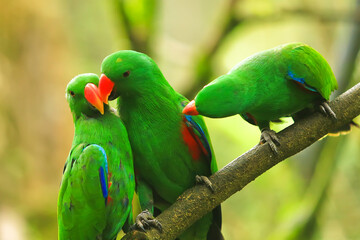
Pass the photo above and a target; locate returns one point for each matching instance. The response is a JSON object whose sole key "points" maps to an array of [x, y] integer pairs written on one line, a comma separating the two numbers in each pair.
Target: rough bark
{"points": [[197, 201]]}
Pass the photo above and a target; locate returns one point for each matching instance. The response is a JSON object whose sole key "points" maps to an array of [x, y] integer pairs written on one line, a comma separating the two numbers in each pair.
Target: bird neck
{"points": [[244, 92], [152, 99], [78, 117], [233, 94], [153, 106]]}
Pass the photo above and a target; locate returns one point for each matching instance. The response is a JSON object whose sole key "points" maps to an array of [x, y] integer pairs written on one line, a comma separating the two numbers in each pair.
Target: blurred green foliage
{"points": [[43, 44]]}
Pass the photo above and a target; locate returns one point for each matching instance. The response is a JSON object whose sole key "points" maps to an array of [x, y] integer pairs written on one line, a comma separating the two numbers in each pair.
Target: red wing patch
{"points": [[109, 198], [193, 142], [190, 142]]}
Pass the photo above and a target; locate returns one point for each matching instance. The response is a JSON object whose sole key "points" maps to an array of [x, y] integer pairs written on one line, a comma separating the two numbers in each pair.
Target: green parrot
{"points": [[288, 80], [98, 180], [172, 151]]}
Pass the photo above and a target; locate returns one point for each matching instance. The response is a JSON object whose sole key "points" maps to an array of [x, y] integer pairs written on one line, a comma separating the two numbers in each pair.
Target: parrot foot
{"points": [[204, 180], [326, 110], [146, 220], [269, 136]]}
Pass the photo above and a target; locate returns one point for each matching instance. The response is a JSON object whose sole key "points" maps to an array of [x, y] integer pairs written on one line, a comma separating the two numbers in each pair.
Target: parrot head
{"points": [[217, 99], [126, 73], [83, 95]]}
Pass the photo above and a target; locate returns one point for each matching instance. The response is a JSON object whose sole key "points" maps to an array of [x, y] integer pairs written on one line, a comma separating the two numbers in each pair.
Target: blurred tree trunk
{"points": [[138, 20]]}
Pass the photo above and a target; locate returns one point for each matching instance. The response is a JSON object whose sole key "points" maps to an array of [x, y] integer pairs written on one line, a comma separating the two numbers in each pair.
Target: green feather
{"points": [[82, 204], [307, 63], [266, 86], [82, 213], [152, 113]]}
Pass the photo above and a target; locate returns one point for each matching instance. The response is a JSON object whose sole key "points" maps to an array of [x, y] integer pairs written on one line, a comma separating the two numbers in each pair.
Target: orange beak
{"points": [[105, 88], [190, 109], [92, 95]]}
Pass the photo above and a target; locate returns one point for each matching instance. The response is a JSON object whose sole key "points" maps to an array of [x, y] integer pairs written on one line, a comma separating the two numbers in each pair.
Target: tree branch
{"points": [[301, 222], [197, 201]]}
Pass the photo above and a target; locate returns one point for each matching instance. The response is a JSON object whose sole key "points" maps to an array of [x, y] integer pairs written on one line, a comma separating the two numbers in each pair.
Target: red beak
{"points": [[92, 95], [190, 109], [105, 88]]}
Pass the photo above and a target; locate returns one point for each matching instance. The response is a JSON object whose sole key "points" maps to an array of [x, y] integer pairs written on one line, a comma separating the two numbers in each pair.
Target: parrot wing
{"points": [[83, 193], [307, 67], [198, 134], [197, 137]]}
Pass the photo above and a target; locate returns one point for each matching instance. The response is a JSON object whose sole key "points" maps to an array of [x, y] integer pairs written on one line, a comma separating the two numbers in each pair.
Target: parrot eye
{"points": [[126, 74], [72, 93]]}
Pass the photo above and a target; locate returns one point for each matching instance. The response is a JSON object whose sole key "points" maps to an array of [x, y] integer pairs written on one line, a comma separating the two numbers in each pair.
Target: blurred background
{"points": [[43, 44]]}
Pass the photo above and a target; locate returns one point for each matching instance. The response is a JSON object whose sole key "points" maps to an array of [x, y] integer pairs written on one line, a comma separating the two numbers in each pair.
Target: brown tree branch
{"points": [[301, 222], [197, 201]]}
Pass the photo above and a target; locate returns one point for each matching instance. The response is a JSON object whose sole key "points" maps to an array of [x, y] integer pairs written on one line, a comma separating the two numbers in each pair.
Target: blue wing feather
{"points": [[103, 173], [301, 81], [103, 184]]}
